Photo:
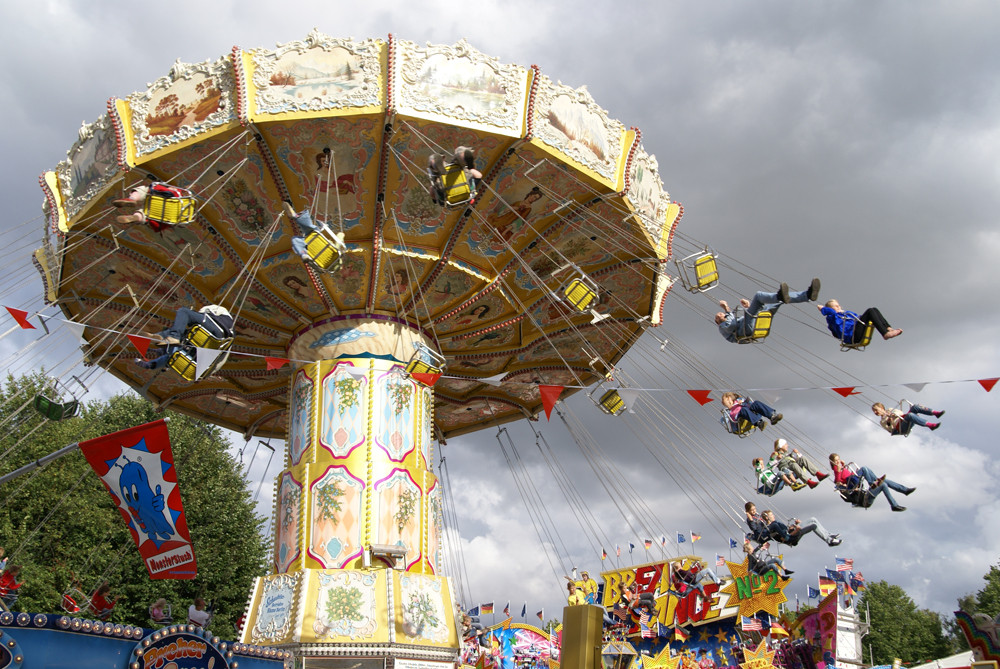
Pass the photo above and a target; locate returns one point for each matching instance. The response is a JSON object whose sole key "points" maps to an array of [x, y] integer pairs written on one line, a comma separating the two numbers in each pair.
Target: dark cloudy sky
{"points": [[854, 141]]}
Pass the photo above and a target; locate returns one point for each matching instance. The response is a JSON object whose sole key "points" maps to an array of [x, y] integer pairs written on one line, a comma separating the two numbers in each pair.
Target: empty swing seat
{"points": [[703, 268], [612, 403], [322, 250], [581, 293], [457, 188], [74, 601], [169, 204], [56, 410]]}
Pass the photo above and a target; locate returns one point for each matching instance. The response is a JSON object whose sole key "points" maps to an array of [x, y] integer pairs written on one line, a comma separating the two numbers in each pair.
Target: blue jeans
{"points": [[186, 317], [912, 417], [767, 302], [882, 488], [306, 224], [755, 411]]}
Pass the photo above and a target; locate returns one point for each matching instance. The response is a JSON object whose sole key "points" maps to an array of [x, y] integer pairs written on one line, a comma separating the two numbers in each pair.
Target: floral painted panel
{"points": [[335, 536], [345, 410]]}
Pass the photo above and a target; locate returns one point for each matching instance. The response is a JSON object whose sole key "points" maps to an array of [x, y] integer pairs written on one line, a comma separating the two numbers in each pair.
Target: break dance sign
{"points": [[137, 467]]}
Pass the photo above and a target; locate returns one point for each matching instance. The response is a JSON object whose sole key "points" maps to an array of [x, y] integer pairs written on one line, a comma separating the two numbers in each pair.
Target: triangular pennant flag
{"points": [[629, 396], [846, 391], [275, 363], [204, 359], [915, 387], [425, 378], [988, 384], [77, 330], [494, 380], [21, 317], [141, 343], [356, 373], [549, 396], [701, 396]]}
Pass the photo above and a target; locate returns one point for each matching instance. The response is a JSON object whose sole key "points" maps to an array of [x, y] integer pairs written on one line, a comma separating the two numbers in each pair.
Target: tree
{"points": [[899, 628], [988, 599], [61, 525]]}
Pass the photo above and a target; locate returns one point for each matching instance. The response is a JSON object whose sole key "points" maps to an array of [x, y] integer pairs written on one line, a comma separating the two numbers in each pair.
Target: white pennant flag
{"points": [[356, 374], [630, 396], [915, 387], [494, 380], [204, 359], [76, 329]]}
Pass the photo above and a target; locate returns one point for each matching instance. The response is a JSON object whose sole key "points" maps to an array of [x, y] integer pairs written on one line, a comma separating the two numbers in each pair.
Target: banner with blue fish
{"points": [[137, 467]]}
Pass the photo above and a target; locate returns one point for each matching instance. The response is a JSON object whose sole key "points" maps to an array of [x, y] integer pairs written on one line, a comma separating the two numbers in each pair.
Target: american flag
{"points": [[751, 624], [621, 612], [644, 625], [720, 561], [845, 564]]}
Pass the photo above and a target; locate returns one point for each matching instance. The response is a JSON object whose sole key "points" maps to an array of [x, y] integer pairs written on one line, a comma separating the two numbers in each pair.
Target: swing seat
{"points": [[169, 204], [56, 410], [323, 251], [457, 187], [580, 293], [741, 428], [71, 600], [425, 361], [200, 337], [183, 364], [166, 617], [761, 328], [612, 403], [699, 272], [846, 344]]}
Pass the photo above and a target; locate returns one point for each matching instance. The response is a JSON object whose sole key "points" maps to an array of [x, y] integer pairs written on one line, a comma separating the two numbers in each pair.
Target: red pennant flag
{"points": [[141, 343], [21, 317], [136, 467], [549, 396], [427, 379], [275, 363], [988, 384], [701, 396], [846, 392]]}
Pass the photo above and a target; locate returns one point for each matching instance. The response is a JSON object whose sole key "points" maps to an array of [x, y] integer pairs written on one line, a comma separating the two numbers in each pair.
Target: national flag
{"points": [[618, 550], [524, 609], [474, 611], [644, 630], [845, 564], [812, 592], [826, 586], [681, 538], [139, 460], [663, 540], [750, 624], [835, 575], [506, 609], [486, 609], [777, 629], [621, 612], [765, 622], [648, 543], [680, 634], [733, 543], [848, 590], [541, 615], [720, 561], [631, 547], [858, 581], [604, 554], [695, 537]]}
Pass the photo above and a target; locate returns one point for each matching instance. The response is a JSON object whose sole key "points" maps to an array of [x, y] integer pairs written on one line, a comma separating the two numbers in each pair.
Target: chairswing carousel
{"points": [[408, 319]]}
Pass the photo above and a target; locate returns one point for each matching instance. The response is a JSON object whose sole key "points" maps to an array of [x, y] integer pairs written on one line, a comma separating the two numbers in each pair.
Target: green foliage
{"points": [[900, 629], [988, 599], [61, 525]]}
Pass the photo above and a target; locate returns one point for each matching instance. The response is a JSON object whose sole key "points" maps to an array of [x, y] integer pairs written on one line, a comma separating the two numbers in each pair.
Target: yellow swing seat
{"points": [[699, 272], [168, 207], [183, 364], [323, 250], [580, 293], [200, 337], [457, 189], [761, 328], [425, 361], [866, 339], [612, 403]]}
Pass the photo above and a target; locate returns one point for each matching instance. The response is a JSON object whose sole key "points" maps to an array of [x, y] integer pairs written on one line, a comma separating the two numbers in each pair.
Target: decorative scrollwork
{"points": [[89, 166], [274, 610]]}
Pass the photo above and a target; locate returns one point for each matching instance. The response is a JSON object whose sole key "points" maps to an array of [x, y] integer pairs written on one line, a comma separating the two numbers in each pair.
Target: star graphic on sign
{"points": [[662, 660], [703, 635], [722, 636], [767, 591], [758, 659]]}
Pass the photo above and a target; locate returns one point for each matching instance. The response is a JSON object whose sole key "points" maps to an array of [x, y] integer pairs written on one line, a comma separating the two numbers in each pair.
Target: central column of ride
{"points": [[357, 509]]}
